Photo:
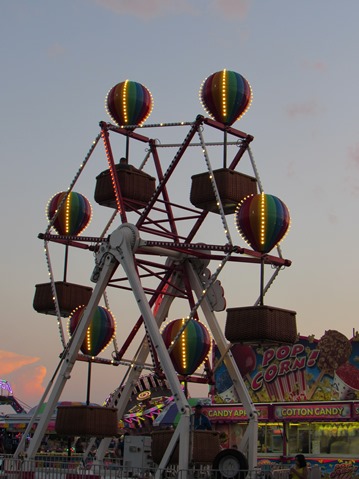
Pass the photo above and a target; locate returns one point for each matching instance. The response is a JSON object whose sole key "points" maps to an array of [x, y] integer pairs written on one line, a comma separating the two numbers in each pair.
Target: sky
{"points": [[59, 60]]}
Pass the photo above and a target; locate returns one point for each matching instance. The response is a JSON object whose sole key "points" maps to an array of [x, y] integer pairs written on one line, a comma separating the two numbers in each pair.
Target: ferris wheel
{"points": [[166, 248]]}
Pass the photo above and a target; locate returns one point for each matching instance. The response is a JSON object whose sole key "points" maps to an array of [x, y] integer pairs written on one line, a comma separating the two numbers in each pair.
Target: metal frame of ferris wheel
{"points": [[179, 276]]}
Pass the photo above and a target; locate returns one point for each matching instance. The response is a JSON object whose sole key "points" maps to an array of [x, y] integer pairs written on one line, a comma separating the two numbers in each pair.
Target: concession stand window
{"points": [[325, 439], [270, 438]]}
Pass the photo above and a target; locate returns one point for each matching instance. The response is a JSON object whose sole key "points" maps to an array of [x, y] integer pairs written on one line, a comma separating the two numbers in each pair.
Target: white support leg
{"points": [[71, 353], [121, 397], [123, 242], [231, 365]]}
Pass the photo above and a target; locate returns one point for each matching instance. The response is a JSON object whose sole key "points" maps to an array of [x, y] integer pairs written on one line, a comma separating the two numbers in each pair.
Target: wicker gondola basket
{"points": [[232, 187], [262, 324], [69, 296], [83, 420], [204, 446], [137, 187]]}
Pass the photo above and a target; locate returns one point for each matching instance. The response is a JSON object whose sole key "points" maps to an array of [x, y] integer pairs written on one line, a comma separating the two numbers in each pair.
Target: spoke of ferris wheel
{"points": [[256, 174], [269, 284], [54, 293], [211, 143], [214, 187], [70, 188], [255, 170], [133, 363], [197, 249]]}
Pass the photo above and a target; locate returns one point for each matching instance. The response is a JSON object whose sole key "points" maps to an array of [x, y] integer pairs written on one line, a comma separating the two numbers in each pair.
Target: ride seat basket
{"points": [[69, 296], [136, 187], [261, 324], [82, 420], [204, 446], [232, 187]]}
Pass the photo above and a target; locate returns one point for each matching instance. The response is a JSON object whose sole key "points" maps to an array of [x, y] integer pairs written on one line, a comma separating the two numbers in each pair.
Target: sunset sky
{"points": [[59, 60]]}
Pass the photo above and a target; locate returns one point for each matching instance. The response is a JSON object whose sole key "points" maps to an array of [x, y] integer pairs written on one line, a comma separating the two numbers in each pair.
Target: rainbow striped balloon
{"points": [[74, 216], [99, 333], [192, 347], [129, 103], [262, 220], [226, 96]]}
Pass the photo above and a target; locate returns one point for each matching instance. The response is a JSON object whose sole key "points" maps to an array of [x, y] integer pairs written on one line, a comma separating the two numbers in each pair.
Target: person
{"points": [[300, 469], [79, 446], [201, 421]]}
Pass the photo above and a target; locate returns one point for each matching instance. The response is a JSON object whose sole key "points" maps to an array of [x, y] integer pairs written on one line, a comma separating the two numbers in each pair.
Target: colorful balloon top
{"points": [[129, 103], [191, 348], [99, 333], [74, 215], [226, 96], [262, 220]]}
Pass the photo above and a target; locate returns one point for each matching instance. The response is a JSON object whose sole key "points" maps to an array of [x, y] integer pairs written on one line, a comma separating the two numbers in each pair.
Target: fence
{"points": [[62, 467]]}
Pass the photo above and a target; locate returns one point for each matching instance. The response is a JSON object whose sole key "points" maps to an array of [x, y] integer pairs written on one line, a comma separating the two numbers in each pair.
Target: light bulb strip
{"points": [[215, 189], [146, 158], [124, 102], [214, 143], [154, 125], [54, 293], [224, 93], [113, 173], [255, 170], [183, 350], [67, 213], [72, 184], [101, 238], [262, 219]]}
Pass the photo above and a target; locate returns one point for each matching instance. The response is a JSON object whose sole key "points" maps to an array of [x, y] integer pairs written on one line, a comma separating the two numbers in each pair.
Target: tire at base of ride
{"points": [[239, 459]]}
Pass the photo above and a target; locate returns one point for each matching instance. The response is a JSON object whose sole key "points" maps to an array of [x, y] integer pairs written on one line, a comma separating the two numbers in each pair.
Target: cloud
{"points": [[10, 362], [232, 9], [149, 8], [332, 218], [291, 170], [318, 65], [308, 108], [28, 384], [55, 50], [25, 379], [354, 155]]}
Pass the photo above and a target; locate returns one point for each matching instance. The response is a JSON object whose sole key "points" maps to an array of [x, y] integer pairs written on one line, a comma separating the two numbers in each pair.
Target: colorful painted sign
{"points": [[312, 411], [309, 370], [232, 413]]}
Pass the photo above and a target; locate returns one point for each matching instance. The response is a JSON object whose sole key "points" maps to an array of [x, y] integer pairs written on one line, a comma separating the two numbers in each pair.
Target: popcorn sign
{"points": [[283, 372]]}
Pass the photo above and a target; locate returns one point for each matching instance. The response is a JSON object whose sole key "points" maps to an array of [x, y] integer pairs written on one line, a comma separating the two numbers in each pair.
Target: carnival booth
{"points": [[306, 394]]}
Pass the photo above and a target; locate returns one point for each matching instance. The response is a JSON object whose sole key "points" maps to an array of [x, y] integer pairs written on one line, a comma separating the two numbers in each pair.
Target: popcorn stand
{"points": [[307, 397]]}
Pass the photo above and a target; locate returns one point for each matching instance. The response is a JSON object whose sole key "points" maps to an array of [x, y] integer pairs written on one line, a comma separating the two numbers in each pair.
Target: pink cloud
{"points": [[10, 362], [354, 155], [333, 218], [318, 65], [55, 50], [291, 170], [308, 108], [149, 8], [26, 380], [232, 9], [28, 384]]}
